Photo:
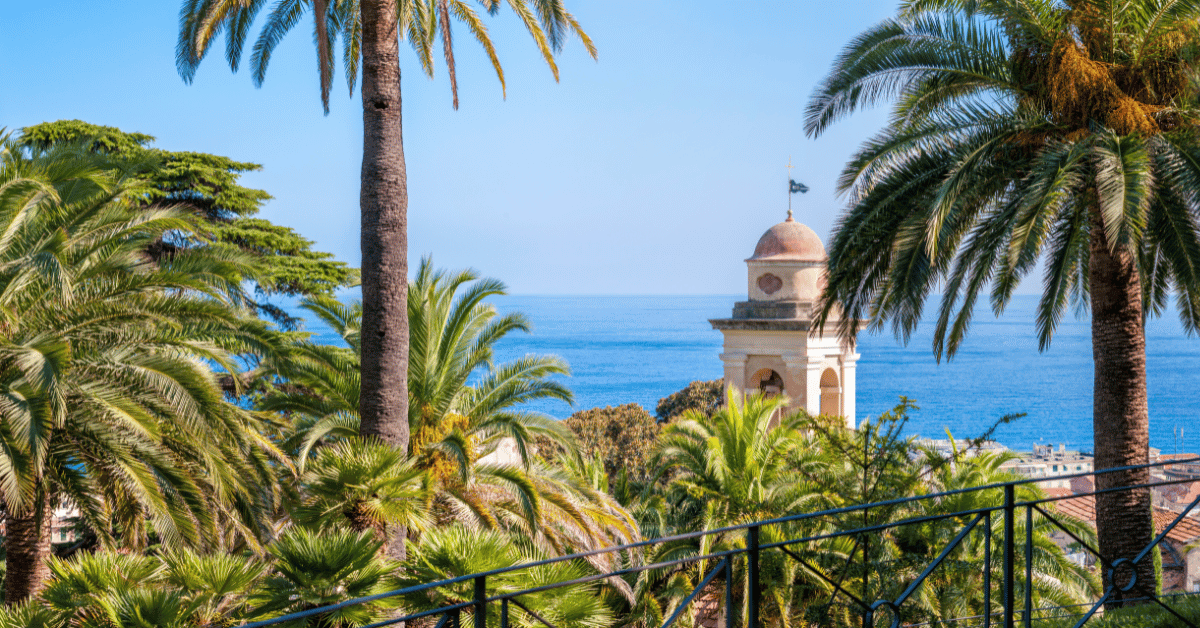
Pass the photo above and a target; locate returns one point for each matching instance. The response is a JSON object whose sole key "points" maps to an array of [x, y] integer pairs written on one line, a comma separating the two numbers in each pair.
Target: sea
{"points": [[638, 349]]}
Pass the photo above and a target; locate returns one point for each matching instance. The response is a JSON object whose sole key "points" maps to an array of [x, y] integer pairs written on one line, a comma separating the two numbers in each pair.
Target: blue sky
{"points": [[651, 171]]}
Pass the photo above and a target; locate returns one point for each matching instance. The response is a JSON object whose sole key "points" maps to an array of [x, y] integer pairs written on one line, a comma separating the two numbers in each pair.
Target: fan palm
{"points": [[1044, 131], [180, 588], [108, 399], [314, 569], [371, 31], [366, 486], [457, 551]]}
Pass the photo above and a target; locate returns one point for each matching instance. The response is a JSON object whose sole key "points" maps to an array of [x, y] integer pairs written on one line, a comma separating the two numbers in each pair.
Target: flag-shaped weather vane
{"points": [[793, 187]]}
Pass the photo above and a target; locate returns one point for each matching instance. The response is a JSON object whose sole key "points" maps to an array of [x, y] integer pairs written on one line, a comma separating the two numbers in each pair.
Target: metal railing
{"points": [[1015, 606]]}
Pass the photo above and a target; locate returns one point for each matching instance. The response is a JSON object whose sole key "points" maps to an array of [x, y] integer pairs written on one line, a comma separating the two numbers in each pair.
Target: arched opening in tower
{"points": [[770, 383], [831, 393]]}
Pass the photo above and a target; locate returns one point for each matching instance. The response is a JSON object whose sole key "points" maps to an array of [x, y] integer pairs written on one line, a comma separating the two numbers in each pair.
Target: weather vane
{"points": [[793, 186]]}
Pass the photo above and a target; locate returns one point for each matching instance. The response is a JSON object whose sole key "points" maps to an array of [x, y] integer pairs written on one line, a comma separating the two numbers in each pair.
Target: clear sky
{"points": [[651, 171]]}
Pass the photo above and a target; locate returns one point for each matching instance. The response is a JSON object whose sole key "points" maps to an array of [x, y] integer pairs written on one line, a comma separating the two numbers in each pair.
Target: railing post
{"points": [[1009, 557], [1028, 566], [987, 572], [729, 612], [504, 613], [481, 602], [755, 592], [868, 615]]}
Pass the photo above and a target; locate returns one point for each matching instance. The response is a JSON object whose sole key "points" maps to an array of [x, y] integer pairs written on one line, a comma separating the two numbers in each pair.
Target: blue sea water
{"points": [[641, 348]]}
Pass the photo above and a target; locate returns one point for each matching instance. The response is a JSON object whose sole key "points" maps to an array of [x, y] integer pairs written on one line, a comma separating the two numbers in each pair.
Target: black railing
{"points": [[1015, 580]]}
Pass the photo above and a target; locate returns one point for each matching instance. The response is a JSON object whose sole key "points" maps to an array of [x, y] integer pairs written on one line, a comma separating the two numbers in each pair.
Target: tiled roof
{"points": [[1084, 509], [1181, 493]]}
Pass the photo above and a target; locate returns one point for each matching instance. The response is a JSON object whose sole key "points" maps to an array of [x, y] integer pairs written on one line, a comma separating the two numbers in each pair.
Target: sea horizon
{"points": [[638, 348]]}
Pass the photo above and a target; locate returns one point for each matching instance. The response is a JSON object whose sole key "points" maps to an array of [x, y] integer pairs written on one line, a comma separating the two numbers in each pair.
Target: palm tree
{"points": [[108, 399], [1023, 132], [180, 588], [463, 407], [371, 32], [454, 334]]}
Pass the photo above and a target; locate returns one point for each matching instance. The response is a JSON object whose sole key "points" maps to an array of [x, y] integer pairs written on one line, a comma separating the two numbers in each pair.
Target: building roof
{"points": [[789, 241], [1180, 493], [1083, 508]]}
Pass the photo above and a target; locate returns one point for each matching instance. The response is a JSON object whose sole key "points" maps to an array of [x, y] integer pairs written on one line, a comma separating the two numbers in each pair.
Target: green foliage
{"points": [[703, 397], [736, 466], [183, 589], [463, 407], [1146, 615], [207, 185]]}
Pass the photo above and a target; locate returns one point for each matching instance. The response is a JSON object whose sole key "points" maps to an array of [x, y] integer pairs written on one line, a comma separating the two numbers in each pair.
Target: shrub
{"points": [[703, 397], [621, 436]]}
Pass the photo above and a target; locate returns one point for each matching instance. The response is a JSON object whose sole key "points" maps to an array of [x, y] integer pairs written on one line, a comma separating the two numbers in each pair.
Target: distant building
{"points": [[769, 344], [945, 448], [1047, 462], [1178, 470], [63, 520], [1176, 497], [62, 523]]}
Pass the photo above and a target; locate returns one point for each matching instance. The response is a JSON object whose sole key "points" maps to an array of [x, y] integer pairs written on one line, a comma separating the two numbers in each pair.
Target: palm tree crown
{"points": [[108, 397], [1023, 133], [424, 23], [1012, 122]]}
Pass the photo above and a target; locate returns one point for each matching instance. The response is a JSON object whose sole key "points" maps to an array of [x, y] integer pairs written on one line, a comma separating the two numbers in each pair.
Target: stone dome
{"points": [[790, 241]]}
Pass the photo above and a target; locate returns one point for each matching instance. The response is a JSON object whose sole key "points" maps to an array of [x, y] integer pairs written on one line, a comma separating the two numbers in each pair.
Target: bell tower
{"points": [[770, 343]]}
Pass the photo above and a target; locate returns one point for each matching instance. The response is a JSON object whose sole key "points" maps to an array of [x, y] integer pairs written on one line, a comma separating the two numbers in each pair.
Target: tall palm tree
{"points": [[108, 399], [371, 31], [1044, 131]]}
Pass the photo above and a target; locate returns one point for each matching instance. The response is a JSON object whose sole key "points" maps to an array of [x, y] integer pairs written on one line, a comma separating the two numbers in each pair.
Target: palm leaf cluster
{"points": [[1021, 132], [470, 434], [109, 395], [425, 24]]}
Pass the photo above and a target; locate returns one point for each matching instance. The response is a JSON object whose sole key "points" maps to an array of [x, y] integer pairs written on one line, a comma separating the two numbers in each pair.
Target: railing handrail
{"points": [[736, 528]]}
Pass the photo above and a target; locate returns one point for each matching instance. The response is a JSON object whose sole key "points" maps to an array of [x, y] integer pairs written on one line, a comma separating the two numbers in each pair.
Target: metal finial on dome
{"points": [[789, 218]]}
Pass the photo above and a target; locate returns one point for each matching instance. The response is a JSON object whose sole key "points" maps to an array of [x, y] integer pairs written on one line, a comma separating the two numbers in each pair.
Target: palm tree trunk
{"points": [[1120, 416], [27, 548], [383, 200]]}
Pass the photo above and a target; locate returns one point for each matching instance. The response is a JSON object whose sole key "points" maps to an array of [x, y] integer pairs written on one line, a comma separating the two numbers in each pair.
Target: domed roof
{"points": [[790, 241]]}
